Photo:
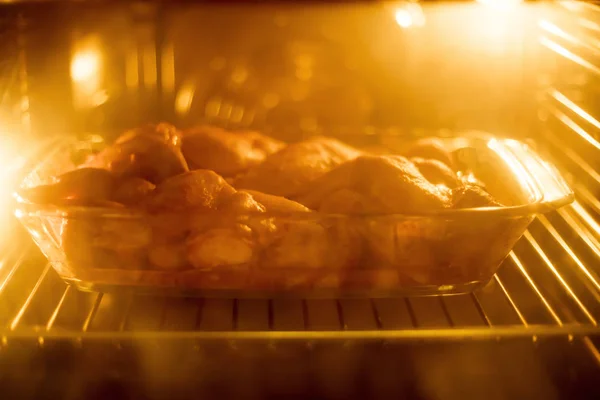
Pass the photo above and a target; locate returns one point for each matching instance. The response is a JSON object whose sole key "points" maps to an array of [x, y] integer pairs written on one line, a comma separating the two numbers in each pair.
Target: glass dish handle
{"points": [[555, 190]]}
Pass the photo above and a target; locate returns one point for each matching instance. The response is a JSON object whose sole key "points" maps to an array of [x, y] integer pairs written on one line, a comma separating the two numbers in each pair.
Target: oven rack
{"points": [[538, 292]]}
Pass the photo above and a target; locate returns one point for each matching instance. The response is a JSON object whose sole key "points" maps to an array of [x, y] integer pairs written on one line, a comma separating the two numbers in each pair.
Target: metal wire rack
{"points": [[536, 293]]}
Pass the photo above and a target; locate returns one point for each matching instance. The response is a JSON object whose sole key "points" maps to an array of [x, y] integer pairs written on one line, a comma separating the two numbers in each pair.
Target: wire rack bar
{"points": [[593, 279], [559, 277], [511, 301], [491, 308]]}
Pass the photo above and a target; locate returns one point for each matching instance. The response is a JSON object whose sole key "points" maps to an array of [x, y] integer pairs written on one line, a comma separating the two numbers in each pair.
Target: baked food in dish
{"points": [[152, 153], [224, 152], [83, 184], [436, 172], [254, 213], [287, 172], [383, 184], [430, 149]]}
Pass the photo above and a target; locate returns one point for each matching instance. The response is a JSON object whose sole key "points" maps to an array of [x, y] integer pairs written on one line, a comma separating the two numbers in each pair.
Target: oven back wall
{"points": [[294, 69]]}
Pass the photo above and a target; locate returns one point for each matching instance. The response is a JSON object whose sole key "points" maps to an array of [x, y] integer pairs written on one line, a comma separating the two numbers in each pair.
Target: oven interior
{"points": [[358, 71]]}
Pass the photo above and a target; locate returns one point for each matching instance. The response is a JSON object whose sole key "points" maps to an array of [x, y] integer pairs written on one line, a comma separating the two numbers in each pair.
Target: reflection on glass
{"points": [[523, 176], [184, 98]]}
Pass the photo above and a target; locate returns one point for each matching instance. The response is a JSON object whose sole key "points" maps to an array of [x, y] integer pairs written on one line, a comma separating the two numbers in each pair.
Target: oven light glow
{"points": [[409, 15], [12, 160], [403, 18], [85, 66], [87, 74], [184, 98], [500, 4]]}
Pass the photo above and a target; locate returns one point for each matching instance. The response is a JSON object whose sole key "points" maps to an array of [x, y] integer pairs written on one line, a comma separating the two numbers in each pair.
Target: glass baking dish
{"points": [[308, 254]]}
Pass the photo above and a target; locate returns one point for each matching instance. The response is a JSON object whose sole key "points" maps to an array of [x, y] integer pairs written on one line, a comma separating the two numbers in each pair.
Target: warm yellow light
{"points": [[85, 66], [12, 160], [503, 4], [500, 147], [408, 15], [184, 98], [404, 18]]}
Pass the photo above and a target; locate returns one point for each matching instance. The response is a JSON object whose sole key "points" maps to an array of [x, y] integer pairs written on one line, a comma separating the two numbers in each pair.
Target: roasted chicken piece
{"points": [[153, 154], [346, 201], [276, 204], [188, 224], [83, 186], [99, 242], [293, 237], [222, 246], [168, 256], [225, 152], [282, 233], [386, 184], [471, 196], [436, 172], [287, 172], [430, 148], [200, 190], [375, 187], [132, 191], [164, 132], [410, 246], [231, 237]]}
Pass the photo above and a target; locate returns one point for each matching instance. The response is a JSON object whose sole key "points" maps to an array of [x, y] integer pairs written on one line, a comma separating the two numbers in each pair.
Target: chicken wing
{"points": [[221, 247], [436, 172], [164, 132], [83, 186], [151, 154], [98, 242], [471, 196], [286, 172], [304, 240], [200, 189], [132, 191], [430, 148], [375, 187], [386, 184], [227, 153]]}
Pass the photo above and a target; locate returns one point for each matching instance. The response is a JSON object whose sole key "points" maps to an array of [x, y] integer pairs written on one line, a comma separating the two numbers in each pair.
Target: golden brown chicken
{"points": [[240, 232], [164, 132], [376, 187], [430, 148], [471, 196], [223, 229], [202, 190], [179, 207], [227, 153], [275, 204], [436, 172], [97, 242], [335, 228], [151, 153], [314, 249], [287, 172], [386, 185], [83, 186], [132, 191]]}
